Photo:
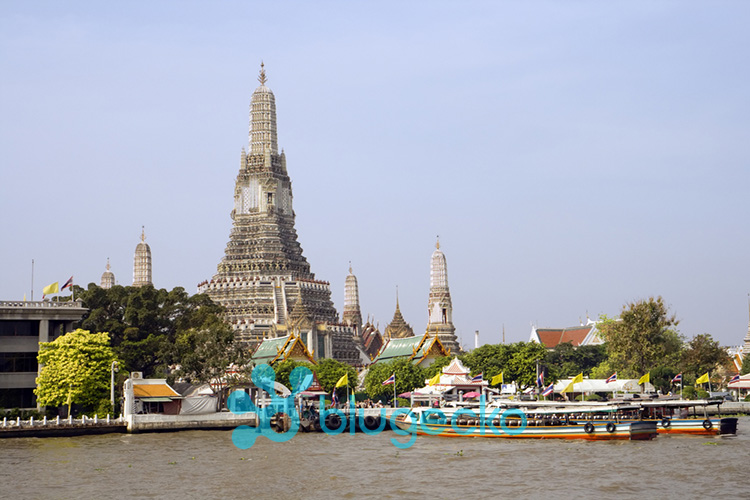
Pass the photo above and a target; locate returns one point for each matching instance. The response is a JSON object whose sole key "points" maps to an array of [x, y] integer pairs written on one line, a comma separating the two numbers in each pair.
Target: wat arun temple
{"points": [[264, 281]]}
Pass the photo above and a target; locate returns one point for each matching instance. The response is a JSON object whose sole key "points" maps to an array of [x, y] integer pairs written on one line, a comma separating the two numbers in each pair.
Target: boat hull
{"points": [[599, 431], [698, 427]]}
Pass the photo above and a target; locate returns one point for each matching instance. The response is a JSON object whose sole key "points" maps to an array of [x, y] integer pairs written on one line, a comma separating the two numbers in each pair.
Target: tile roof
{"points": [[551, 337]]}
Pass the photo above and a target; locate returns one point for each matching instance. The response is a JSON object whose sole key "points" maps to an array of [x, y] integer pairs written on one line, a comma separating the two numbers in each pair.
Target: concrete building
{"points": [[23, 325]]}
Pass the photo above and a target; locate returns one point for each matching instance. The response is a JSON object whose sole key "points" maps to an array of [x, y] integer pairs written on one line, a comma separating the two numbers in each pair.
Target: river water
{"points": [[205, 464]]}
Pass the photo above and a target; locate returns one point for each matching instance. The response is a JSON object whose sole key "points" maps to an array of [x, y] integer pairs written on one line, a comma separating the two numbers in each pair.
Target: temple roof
{"points": [[398, 327], [413, 348], [282, 348]]}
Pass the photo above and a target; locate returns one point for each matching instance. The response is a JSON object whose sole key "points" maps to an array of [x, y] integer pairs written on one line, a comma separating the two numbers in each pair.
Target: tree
{"points": [[330, 371], [408, 377], [151, 329], [568, 361], [205, 352], [284, 369], [75, 369], [642, 338], [489, 359], [702, 355], [745, 365]]}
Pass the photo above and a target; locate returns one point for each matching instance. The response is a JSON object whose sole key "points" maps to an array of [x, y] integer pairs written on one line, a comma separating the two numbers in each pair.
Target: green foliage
{"points": [[745, 365], [567, 361], [75, 369], [642, 338], [151, 329], [437, 366], [516, 361], [491, 360], [702, 355], [284, 369], [688, 392], [330, 371], [602, 370], [408, 377], [104, 408], [701, 394]]}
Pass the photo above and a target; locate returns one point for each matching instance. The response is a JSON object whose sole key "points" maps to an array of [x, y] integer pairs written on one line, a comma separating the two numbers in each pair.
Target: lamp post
{"points": [[112, 385]]}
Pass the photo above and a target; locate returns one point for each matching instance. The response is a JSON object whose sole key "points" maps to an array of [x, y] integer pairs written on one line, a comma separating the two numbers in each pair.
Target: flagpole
{"points": [[395, 403], [32, 280]]}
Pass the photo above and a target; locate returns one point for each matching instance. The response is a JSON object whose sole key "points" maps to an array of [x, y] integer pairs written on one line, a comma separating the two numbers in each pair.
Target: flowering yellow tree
{"points": [[75, 369]]}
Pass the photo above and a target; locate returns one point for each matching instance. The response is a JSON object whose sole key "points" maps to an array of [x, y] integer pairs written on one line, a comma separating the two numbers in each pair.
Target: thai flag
{"points": [[540, 379], [548, 390], [736, 378], [67, 283], [677, 378], [334, 398], [390, 380], [612, 378], [478, 378]]}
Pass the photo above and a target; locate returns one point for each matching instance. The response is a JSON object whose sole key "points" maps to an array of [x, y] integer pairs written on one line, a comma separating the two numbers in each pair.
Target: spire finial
{"points": [[350, 267], [262, 78], [143, 233], [107, 263], [437, 245], [396, 296]]}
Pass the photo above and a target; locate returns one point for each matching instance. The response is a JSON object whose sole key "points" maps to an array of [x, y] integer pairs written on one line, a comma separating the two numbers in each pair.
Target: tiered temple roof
{"points": [[272, 351], [420, 350], [398, 328]]}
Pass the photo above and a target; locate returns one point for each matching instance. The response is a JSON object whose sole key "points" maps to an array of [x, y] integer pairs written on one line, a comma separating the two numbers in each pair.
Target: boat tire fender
{"points": [[707, 424], [611, 427], [665, 422], [588, 427], [371, 422], [333, 421]]}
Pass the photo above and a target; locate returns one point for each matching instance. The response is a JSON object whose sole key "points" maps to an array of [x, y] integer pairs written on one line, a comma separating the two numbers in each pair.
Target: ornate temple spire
{"points": [[108, 278], [262, 76], [263, 118], [440, 307], [438, 269], [746, 345], [142, 262], [352, 313]]}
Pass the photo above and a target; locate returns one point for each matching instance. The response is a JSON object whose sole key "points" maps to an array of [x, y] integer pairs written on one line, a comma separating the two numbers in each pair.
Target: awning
{"points": [[156, 400]]}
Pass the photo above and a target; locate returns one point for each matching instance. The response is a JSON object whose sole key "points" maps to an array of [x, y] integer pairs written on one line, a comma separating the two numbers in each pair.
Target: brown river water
{"points": [[205, 464]]}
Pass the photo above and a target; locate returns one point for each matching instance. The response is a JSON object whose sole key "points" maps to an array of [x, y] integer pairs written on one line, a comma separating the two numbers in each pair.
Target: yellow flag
{"points": [[645, 379], [576, 380], [343, 381], [703, 379], [434, 380], [497, 379], [50, 289]]}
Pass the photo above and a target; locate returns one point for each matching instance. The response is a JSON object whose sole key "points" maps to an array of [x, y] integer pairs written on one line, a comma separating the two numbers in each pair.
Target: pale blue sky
{"points": [[572, 156]]}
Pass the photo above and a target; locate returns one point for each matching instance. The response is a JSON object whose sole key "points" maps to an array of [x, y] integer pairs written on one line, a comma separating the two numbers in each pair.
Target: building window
{"points": [[18, 362], [19, 328]]}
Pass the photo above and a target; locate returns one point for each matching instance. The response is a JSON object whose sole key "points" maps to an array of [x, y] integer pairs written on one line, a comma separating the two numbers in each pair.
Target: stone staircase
{"points": [[280, 305]]}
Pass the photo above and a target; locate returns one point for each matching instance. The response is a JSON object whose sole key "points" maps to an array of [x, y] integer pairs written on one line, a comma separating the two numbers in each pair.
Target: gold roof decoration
{"points": [[398, 328]]}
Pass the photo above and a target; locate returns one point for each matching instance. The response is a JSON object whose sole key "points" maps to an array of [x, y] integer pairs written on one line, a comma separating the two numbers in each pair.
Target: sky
{"points": [[572, 156]]}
